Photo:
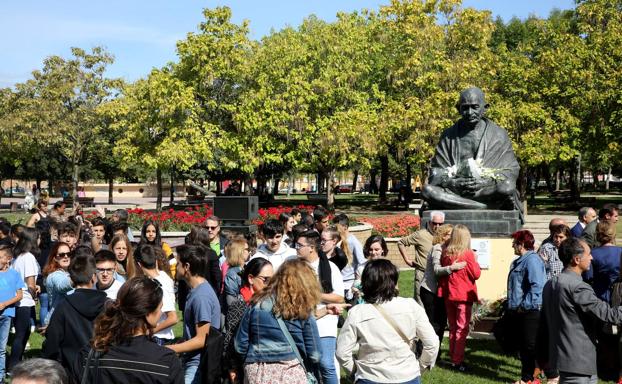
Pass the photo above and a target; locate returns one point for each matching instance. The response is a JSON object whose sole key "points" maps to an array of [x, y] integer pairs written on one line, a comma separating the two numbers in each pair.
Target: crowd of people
{"points": [[108, 300]]}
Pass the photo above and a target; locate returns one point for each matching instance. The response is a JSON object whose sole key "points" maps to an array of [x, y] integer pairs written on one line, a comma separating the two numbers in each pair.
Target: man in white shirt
{"points": [[106, 264], [147, 257], [274, 249], [308, 249]]}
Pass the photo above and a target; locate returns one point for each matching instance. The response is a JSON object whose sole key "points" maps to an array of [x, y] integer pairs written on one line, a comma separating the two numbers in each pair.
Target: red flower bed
{"points": [[171, 220], [393, 225], [274, 212]]}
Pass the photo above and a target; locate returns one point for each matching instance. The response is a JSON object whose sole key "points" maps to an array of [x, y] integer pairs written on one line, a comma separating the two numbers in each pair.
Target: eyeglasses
{"points": [[323, 241], [299, 246], [101, 271], [435, 224], [210, 227], [61, 255], [264, 279]]}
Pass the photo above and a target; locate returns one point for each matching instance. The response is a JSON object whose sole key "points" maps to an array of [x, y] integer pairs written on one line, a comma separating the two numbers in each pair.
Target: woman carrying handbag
{"points": [[278, 336], [383, 331]]}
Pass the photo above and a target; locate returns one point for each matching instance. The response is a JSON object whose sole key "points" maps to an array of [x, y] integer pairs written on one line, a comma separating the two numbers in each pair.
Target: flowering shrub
{"points": [[274, 212], [392, 225], [170, 220]]}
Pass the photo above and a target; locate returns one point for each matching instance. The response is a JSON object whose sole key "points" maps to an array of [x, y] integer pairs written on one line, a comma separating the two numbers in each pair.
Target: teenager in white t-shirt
{"points": [[25, 263], [308, 248], [146, 256]]}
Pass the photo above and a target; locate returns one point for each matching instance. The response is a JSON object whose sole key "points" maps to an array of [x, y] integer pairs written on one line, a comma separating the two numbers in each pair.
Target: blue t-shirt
{"points": [[10, 283], [202, 306]]}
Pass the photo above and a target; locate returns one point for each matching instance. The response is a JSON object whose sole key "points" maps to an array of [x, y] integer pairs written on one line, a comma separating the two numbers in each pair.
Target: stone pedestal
{"points": [[487, 223]]}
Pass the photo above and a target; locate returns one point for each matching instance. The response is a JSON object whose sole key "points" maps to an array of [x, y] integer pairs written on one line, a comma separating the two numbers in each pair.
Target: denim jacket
{"points": [[260, 339], [525, 282]]}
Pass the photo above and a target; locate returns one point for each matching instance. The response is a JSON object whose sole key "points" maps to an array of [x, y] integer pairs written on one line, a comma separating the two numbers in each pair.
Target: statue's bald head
{"points": [[472, 95], [472, 105]]}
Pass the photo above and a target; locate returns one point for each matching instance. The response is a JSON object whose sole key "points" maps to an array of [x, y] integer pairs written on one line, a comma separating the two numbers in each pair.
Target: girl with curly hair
{"points": [[291, 295]]}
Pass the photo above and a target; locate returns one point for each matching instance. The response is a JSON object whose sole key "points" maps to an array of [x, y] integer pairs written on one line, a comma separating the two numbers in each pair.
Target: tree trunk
{"points": [[557, 179], [409, 184], [330, 191], [575, 176], [355, 180], [277, 181], [172, 187], [521, 184], [384, 179], [110, 189], [608, 179], [159, 188], [74, 180], [373, 187]]}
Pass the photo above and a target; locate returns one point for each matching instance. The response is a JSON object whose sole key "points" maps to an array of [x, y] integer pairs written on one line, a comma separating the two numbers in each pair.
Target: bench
{"points": [[83, 201]]}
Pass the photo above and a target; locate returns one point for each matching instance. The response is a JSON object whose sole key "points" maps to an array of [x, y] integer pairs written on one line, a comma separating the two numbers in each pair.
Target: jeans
{"points": [[571, 378], [5, 327], [327, 360], [416, 380], [44, 303], [22, 333], [192, 375], [459, 316]]}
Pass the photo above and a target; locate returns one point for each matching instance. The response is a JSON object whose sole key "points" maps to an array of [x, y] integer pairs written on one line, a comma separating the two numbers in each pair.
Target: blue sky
{"points": [[142, 34]]}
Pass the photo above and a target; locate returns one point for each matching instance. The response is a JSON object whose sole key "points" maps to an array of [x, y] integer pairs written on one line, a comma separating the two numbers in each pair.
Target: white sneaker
{"points": [[27, 346]]}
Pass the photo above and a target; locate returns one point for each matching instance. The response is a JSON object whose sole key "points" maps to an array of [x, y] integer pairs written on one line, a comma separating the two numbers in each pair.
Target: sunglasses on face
{"points": [[210, 227], [61, 255]]}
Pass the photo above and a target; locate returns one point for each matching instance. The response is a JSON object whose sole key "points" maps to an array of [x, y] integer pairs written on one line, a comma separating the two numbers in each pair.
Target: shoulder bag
{"points": [[310, 377], [394, 326]]}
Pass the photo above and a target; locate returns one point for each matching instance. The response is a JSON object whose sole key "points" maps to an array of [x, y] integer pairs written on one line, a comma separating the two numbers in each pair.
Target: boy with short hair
{"points": [[98, 230], [202, 310], [274, 248], [71, 324], [11, 286], [106, 266], [67, 233]]}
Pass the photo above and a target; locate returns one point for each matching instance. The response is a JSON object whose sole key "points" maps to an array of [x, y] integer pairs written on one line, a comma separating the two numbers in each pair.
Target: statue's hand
{"points": [[460, 185]]}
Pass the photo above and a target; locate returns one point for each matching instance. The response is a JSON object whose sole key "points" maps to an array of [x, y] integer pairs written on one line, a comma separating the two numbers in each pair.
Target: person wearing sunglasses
{"points": [[421, 240], [255, 276], [56, 276]]}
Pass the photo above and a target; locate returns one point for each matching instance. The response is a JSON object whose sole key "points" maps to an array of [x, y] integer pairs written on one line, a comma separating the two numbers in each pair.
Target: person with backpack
{"points": [[71, 323], [121, 350]]}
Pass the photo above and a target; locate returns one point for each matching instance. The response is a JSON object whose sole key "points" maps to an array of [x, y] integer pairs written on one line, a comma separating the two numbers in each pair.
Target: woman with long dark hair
{"points": [[150, 234], [121, 350], [25, 263]]}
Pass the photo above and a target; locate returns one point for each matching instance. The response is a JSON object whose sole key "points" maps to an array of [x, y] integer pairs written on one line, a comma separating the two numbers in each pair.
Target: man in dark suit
{"points": [[586, 216], [569, 307]]}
